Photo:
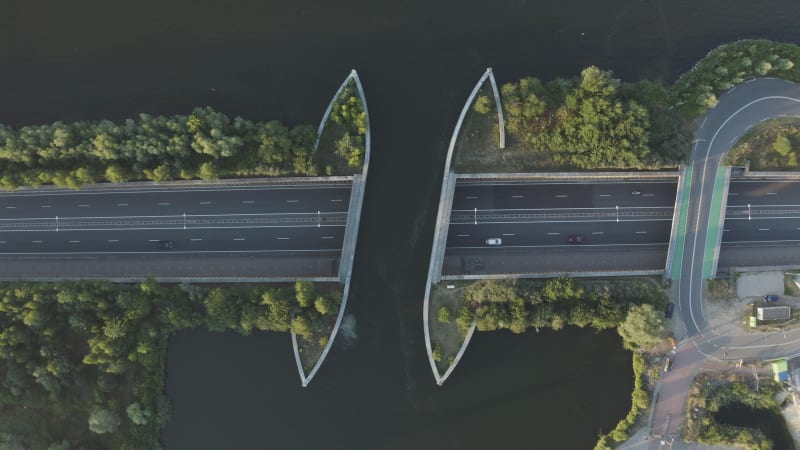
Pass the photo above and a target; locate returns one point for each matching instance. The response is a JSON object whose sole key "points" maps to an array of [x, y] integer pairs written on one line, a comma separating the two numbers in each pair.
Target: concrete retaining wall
{"points": [[610, 273], [562, 176], [351, 230], [501, 123], [722, 214]]}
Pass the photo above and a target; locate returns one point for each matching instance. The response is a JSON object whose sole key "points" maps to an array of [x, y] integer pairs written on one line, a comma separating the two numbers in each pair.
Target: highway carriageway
{"points": [[625, 226], [762, 223], [218, 219]]}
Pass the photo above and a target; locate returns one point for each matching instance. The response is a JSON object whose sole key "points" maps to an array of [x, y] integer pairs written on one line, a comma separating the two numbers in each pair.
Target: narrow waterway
{"points": [[418, 60]]}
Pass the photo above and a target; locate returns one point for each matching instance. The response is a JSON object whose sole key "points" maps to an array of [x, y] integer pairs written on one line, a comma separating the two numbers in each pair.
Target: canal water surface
{"points": [[418, 60]]}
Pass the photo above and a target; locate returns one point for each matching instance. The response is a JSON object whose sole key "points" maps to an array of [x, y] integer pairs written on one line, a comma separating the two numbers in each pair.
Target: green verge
{"points": [[713, 223], [680, 241]]}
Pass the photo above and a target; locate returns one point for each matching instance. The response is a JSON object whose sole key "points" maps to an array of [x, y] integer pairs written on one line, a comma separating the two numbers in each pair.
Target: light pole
{"points": [[749, 212], [476, 216], [617, 213]]}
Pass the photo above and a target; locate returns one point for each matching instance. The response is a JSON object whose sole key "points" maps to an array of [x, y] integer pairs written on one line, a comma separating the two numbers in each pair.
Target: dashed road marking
{"points": [[561, 196], [196, 239], [517, 196], [337, 200], [471, 197], [553, 234], [37, 242], [11, 207], [463, 235], [280, 238], [247, 202], [327, 237], [605, 195], [113, 240], [509, 234], [292, 201], [83, 206], [641, 232], [240, 239], [47, 206], [598, 232], [163, 204], [122, 204], [205, 203]]}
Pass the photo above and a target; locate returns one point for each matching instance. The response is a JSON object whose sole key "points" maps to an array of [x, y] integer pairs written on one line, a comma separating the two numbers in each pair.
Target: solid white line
{"points": [[187, 252], [177, 227], [597, 208], [652, 244], [239, 239], [509, 234], [704, 122], [540, 221]]}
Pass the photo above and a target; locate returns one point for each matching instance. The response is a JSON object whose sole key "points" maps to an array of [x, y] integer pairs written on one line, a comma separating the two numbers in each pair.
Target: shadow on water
{"points": [[771, 423]]}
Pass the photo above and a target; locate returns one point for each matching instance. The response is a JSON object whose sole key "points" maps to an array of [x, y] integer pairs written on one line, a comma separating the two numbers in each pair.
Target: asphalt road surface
{"points": [[197, 219], [615, 220], [761, 213]]}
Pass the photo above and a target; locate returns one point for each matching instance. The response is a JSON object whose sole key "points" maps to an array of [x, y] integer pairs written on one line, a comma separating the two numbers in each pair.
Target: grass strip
{"points": [[677, 259]]}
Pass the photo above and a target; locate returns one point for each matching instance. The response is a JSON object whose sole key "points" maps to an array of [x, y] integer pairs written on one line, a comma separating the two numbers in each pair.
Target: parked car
{"points": [[669, 310], [166, 245], [771, 298], [575, 239], [667, 364], [494, 241]]}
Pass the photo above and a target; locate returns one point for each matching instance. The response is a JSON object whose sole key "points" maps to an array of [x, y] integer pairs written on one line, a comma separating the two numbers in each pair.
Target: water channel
{"points": [[418, 60]]}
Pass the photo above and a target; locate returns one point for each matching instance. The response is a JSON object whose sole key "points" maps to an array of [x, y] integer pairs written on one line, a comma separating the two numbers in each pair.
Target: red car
{"points": [[575, 239]]}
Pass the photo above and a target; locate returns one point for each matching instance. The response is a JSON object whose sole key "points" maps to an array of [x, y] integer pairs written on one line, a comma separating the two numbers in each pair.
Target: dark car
{"points": [[575, 239], [771, 298], [166, 244], [669, 310]]}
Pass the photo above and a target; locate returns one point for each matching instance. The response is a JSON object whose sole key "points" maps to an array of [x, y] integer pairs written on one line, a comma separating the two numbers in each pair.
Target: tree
{"points": [[323, 305], [782, 145], [304, 292], [302, 326], [444, 315], [436, 354], [102, 420], [642, 327], [137, 414], [482, 105]]}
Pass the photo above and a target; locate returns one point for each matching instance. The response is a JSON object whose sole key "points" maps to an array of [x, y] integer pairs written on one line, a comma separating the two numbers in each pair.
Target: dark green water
{"points": [[418, 60], [772, 424]]}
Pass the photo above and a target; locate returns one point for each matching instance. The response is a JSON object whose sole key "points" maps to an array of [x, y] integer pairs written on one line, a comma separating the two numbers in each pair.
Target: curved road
{"points": [[740, 109]]}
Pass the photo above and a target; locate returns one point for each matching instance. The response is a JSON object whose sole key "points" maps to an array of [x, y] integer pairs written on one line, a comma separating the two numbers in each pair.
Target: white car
{"points": [[494, 241]]}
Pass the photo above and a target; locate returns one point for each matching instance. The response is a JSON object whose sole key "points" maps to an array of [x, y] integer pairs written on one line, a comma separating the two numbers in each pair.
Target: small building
{"points": [[773, 312], [780, 369]]}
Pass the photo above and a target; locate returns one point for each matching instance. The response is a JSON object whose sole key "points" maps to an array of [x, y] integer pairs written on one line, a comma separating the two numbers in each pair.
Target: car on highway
{"points": [[494, 241], [669, 310], [575, 239], [166, 245], [667, 364], [771, 298]]}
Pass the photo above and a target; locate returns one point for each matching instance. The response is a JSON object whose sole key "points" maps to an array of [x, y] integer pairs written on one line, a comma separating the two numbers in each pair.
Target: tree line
{"points": [[205, 144], [85, 361]]}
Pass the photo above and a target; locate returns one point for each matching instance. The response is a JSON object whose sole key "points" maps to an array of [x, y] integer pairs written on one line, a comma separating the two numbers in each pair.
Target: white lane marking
{"points": [[734, 140], [2, 242], [292, 201], [517, 196], [37, 242], [704, 122], [751, 126], [337, 200], [11, 207], [463, 235], [509, 234], [553, 234], [605, 195], [74, 242], [764, 119], [763, 229], [648, 195], [280, 238], [327, 237], [472, 197], [47, 206], [195, 239], [205, 203], [116, 190], [726, 229], [733, 193], [122, 204], [772, 193], [238, 239], [641, 232], [113, 240], [152, 240], [83, 206], [248, 201], [561, 196], [163, 204], [598, 232]]}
